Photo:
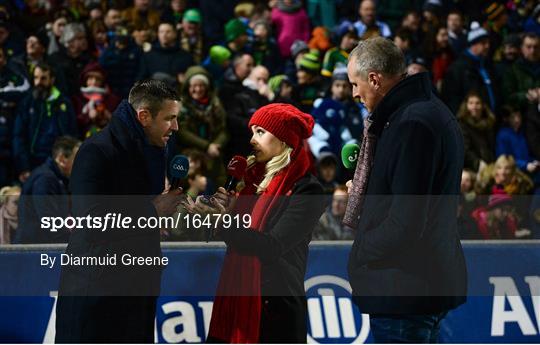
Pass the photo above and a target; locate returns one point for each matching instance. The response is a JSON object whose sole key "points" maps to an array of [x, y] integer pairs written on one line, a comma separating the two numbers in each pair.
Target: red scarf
{"points": [[236, 314]]}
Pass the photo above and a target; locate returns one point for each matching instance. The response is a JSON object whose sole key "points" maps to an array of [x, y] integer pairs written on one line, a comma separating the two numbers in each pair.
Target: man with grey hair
{"points": [[406, 266], [71, 60]]}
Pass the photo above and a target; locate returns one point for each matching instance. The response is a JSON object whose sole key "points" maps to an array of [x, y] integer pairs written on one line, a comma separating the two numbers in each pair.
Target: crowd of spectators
{"points": [[65, 66]]}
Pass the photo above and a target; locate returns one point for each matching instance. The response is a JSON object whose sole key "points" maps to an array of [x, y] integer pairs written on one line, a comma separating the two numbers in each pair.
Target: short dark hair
{"points": [[64, 145], [530, 35], [45, 67], [151, 93]]}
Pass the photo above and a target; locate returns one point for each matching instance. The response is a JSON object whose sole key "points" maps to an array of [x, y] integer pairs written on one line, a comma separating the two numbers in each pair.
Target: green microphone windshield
{"points": [[349, 155]]}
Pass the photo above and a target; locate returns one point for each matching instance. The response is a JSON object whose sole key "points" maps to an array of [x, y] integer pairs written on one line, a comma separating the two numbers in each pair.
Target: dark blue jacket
{"points": [[122, 67], [13, 87], [469, 73], [513, 143], [114, 172], [44, 194], [37, 125], [407, 257]]}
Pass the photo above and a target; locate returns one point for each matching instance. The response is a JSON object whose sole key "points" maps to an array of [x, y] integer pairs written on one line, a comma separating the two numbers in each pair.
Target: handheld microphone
{"points": [[349, 156], [178, 169], [236, 170]]}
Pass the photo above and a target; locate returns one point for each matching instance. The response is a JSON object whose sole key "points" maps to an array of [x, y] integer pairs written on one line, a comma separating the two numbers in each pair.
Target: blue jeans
{"points": [[406, 328]]}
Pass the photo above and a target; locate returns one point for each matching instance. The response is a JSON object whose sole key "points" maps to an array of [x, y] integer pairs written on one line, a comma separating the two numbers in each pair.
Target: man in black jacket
{"points": [[406, 266], [120, 170], [166, 61], [472, 71]]}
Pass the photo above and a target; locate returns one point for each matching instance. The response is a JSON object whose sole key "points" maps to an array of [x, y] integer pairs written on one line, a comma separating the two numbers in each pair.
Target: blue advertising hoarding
{"points": [[504, 280]]}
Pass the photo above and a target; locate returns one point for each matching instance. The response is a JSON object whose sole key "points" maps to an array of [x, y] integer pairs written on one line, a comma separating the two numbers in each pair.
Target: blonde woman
{"points": [[9, 198], [260, 296], [503, 174]]}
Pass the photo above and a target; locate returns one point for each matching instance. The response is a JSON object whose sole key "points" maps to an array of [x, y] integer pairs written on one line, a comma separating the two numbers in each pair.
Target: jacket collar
{"points": [[407, 91], [56, 171], [125, 127]]}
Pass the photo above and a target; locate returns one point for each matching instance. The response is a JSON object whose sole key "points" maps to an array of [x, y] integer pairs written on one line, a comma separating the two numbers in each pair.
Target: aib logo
{"points": [[332, 316]]}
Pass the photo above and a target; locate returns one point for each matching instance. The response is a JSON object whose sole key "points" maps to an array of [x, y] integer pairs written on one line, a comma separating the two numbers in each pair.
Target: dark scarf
{"points": [[154, 157], [405, 92], [360, 180]]}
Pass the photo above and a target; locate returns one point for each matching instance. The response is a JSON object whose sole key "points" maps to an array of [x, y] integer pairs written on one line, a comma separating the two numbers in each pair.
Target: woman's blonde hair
{"points": [[505, 160], [273, 167], [8, 191]]}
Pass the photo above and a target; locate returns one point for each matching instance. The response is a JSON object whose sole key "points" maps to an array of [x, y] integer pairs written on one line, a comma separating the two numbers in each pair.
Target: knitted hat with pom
{"points": [[476, 34], [285, 122]]}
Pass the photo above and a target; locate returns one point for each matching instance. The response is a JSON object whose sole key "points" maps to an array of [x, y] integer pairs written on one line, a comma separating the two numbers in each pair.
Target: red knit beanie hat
{"points": [[284, 121], [498, 197]]}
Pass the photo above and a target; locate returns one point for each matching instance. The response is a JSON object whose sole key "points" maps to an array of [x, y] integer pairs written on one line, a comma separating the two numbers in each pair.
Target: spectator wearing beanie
{"points": [[217, 62], [95, 102], [496, 20], [191, 39], [121, 62], [347, 39], [497, 225], [308, 87], [524, 76], [320, 39], [166, 61], [71, 60], [201, 122], [236, 36], [471, 72], [291, 23], [279, 167], [282, 88], [330, 132], [298, 49]]}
